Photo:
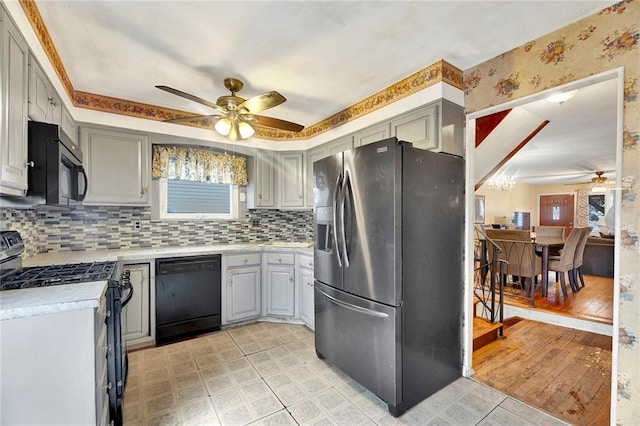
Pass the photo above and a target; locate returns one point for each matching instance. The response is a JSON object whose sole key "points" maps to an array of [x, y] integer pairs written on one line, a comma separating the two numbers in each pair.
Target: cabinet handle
{"points": [[279, 260], [290, 278], [246, 261], [108, 314], [260, 196], [29, 164], [143, 191], [108, 387]]}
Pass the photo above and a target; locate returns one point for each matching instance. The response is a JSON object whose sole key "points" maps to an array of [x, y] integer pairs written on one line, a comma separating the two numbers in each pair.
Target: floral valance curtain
{"points": [[198, 165]]}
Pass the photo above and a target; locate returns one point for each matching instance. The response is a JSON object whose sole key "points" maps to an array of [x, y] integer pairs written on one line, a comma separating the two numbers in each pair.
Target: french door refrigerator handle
{"points": [[345, 188], [336, 199], [355, 308]]}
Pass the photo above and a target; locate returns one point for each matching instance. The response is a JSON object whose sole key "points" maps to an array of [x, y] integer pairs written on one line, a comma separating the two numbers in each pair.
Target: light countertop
{"points": [[45, 300], [30, 302], [138, 254]]}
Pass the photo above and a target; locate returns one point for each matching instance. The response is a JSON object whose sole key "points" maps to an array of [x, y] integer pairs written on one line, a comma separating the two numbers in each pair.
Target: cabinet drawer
{"points": [[243, 259], [306, 261], [281, 258]]}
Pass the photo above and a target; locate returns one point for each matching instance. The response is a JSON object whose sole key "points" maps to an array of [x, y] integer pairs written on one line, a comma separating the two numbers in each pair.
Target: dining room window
{"points": [[596, 209]]}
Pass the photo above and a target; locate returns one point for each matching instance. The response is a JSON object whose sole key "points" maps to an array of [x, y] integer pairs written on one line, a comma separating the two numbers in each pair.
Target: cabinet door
{"points": [[13, 112], [265, 179], [68, 125], [341, 144], [306, 296], [371, 134], [418, 127], [243, 293], [314, 154], [44, 102], [291, 180], [39, 99], [117, 165], [135, 316], [280, 291]]}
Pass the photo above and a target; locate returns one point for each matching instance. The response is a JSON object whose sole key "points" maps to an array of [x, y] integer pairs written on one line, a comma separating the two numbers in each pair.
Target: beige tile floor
{"points": [[268, 374]]}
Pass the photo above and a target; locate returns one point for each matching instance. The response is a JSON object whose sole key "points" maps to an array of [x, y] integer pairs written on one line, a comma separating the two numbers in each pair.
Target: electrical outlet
{"points": [[255, 222], [137, 225]]}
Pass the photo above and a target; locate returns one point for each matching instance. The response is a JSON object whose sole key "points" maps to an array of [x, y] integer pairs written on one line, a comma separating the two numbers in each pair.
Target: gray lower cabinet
{"points": [[305, 285], [135, 316], [280, 284], [241, 287], [61, 380], [14, 93]]}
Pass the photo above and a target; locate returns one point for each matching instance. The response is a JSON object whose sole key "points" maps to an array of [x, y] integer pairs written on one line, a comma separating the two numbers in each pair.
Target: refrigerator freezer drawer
{"points": [[360, 337]]}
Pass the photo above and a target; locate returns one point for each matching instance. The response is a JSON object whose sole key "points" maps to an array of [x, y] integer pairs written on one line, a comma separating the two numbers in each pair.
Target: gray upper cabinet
{"points": [[118, 167], [418, 127], [261, 192], [13, 108], [291, 180], [68, 125], [44, 103], [339, 145], [313, 155], [371, 134]]}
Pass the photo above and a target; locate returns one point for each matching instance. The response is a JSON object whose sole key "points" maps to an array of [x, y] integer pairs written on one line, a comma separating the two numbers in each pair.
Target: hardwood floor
{"points": [[562, 371], [594, 301]]}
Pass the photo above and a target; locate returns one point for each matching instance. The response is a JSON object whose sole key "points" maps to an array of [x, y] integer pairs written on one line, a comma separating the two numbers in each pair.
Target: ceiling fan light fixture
{"points": [[599, 189], [223, 126], [560, 98], [245, 129]]}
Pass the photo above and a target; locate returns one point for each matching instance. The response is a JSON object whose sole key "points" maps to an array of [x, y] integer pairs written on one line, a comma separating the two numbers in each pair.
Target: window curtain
{"points": [[198, 165]]}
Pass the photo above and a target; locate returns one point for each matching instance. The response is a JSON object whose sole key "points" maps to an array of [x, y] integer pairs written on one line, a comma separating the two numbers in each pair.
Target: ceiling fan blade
{"points": [[270, 122], [262, 102], [192, 98], [194, 118]]}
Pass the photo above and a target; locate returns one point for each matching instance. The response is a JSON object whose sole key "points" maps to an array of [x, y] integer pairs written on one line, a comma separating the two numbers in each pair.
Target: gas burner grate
{"points": [[42, 276]]}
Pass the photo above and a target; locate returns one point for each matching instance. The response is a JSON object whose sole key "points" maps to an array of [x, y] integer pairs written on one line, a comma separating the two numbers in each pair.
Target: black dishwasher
{"points": [[187, 296]]}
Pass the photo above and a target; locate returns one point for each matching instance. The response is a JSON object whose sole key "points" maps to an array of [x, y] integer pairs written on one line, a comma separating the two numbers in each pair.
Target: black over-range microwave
{"points": [[56, 176]]}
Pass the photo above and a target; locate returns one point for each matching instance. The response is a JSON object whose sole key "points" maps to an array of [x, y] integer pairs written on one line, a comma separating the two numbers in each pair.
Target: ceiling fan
{"points": [[598, 183], [237, 118]]}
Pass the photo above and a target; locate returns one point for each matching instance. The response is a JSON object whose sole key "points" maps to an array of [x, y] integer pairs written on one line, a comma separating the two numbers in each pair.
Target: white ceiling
{"points": [[323, 56], [579, 139]]}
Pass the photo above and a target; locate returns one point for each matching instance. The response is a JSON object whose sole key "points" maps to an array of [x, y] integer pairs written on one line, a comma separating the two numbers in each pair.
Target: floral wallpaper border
{"points": [[604, 41], [440, 71]]}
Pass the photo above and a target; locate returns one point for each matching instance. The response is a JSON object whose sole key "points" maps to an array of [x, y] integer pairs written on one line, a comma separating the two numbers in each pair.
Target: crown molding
{"points": [[440, 71]]}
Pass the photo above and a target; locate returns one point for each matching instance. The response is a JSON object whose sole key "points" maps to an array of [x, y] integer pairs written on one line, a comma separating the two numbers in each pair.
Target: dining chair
{"points": [[577, 260], [550, 231], [564, 262], [521, 259]]}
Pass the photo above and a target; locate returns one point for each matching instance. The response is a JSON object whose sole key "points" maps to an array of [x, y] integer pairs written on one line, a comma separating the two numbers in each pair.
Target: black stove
{"points": [[42, 276], [119, 292]]}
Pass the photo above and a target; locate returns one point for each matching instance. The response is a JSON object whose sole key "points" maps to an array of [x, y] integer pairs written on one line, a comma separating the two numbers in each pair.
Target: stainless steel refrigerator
{"points": [[388, 268]]}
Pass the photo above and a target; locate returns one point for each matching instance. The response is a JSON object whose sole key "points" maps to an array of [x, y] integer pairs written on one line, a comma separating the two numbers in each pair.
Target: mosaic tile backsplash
{"points": [[93, 227]]}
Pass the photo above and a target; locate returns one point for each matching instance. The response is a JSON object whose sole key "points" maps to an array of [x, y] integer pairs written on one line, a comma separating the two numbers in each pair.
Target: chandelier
{"points": [[502, 182], [599, 183]]}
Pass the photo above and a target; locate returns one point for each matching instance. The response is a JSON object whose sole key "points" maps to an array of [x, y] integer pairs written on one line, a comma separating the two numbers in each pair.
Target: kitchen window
{"points": [[197, 183], [176, 199]]}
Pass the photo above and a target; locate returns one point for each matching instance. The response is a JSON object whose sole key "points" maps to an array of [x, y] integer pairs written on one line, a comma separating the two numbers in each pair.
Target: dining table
{"points": [[543, 246]]}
